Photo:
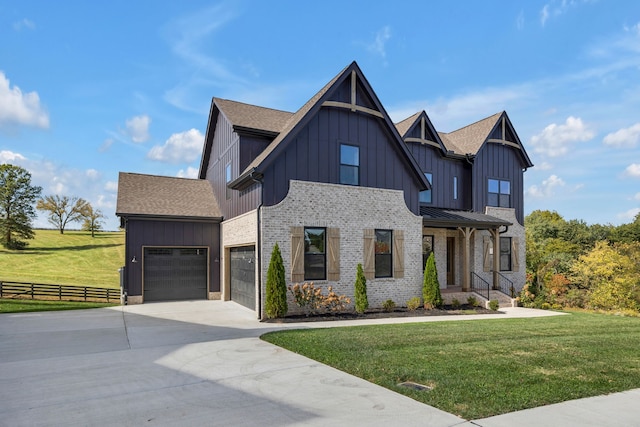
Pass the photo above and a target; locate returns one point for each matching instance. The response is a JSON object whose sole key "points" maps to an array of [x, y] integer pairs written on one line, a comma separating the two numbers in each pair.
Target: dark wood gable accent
{"points": [[423, 132], [503, 133], [353, 97]]}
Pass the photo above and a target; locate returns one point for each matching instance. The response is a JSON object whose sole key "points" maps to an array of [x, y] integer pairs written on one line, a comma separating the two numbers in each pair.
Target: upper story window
{"points": [[315, 253], [349, 164], [228, 179], [384, 258], [499, 194], [455, 188], [426, 195]]}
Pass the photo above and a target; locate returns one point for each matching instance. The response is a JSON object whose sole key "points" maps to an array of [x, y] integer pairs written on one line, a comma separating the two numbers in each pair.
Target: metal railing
{"points": [[506, 286], [58, 292], [480, 286]]}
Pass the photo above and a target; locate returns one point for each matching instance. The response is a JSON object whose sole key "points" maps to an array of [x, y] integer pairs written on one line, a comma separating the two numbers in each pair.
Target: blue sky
{"points": [[88, 89]]}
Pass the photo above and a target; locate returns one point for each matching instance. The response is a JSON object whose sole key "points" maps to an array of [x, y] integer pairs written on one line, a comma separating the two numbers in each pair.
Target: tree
{"points": [[92, 219], [430, 285], [362, 303], [17, 197], [276, 299], [62, 210]]}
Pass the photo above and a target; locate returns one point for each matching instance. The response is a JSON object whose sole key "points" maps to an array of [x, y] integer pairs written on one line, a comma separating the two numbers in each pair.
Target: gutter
{"points": [[246, 180]]}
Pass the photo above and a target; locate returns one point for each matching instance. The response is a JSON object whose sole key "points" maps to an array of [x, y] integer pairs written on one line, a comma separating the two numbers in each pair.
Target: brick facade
{"points": [[351, 210]]}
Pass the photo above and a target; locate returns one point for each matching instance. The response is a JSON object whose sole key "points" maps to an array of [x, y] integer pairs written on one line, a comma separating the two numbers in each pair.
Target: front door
{"points": [[451, 256]]}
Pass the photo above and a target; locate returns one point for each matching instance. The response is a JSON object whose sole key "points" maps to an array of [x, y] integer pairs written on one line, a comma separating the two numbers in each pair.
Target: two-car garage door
{"points": [[175, 274]]}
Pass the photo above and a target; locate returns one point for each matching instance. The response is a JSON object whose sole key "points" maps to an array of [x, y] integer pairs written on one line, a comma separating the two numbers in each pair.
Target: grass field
{"points": [[484, 368], [72, 258], [23, 306]]}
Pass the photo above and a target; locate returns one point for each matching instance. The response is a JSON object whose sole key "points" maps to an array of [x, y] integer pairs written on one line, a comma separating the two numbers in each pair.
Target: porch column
{"points": [[466, 256], [495, 233]]}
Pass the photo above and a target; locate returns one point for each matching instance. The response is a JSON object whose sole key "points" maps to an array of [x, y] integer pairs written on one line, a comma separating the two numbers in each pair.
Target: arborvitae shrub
{"points": [[362, 303], [430, 286], [276, 299]]}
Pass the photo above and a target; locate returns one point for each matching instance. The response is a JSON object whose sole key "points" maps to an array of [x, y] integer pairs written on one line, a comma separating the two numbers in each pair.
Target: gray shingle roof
{"points": [[405, 124], [253, 117], [469, 139], [151, 195]]}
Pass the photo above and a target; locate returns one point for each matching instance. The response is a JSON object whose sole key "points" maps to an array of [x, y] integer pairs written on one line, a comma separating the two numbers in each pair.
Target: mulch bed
{"points": [[382, 314]]}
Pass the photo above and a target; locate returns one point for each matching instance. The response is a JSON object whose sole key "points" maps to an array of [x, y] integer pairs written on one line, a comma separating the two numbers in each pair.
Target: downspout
{"points": [[259, 246]]}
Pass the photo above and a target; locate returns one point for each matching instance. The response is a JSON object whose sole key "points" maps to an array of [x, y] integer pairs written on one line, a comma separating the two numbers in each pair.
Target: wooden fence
{"points": [[58, 292]]}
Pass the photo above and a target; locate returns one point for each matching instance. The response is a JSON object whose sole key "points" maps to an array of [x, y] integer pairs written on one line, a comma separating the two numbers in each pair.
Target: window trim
{"points": [[322, 254], [499, 194], [506, 253], [389, 255], [342, 180], [429, 177]]}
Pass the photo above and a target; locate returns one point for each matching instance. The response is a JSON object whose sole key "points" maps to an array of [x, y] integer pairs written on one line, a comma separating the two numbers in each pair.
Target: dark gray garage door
{"points": [[243, 276], [175, 274]]}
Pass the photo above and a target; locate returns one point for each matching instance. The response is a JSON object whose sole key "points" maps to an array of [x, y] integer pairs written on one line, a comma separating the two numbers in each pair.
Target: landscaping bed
{"points": [[445, 310]]}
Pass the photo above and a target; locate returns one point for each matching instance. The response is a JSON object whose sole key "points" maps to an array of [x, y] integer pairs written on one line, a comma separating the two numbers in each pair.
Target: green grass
{"points": [[22, 306], [484, 368], [72, 258]]}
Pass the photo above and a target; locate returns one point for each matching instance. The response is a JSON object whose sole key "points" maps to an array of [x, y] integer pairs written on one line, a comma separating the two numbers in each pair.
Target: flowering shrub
{"points": [[313, 301]]}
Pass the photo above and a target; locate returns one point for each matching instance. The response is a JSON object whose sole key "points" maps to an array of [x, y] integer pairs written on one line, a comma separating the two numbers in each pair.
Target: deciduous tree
{"points": [[17, 197], [62, 210], [91, 219]]}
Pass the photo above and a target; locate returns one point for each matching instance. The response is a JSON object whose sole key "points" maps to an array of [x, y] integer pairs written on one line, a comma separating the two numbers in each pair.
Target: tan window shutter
{"points": [[398, 254], [486, 254], [369, 265], [297, 254], [333, 254], [515, 254]]}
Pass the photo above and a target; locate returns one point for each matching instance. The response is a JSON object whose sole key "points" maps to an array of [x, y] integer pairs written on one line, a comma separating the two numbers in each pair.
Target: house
{"points": [[334, 184]]}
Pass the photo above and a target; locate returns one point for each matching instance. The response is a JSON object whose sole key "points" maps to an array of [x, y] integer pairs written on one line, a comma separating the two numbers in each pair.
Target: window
{"points": [[315, 255], [455, 188], [349, 164], [228, 179], [425, 196], [384, 259], [499, 193], [505, 254], [427, 248]]}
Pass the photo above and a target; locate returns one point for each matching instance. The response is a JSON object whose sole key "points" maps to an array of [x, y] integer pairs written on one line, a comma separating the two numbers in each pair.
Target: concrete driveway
{"points": [[199, 363]]}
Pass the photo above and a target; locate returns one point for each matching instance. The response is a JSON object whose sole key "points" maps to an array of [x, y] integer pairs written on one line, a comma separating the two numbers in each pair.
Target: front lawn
{"points": [[22, 306], [483, 368]]}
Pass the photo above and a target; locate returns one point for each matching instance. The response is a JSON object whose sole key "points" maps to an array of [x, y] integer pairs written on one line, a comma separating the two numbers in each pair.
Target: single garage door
{"points": [[243, 276], [175, 274]]}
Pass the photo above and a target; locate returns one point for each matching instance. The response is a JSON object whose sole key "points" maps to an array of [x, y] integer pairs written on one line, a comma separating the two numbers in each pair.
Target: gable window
{"points": [[505, 254], [426, 195], [315, 254], [228, 179], [499, 193], [349, 164], [384, 264]]}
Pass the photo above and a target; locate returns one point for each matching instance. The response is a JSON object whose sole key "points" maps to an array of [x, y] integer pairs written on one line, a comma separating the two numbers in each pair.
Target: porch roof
{"points": [[448, 218]]}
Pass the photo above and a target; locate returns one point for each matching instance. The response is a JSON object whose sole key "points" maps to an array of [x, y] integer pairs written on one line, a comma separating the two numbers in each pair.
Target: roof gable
{"points": [[418, 128], [162, 196], [251, 117], [349, 90]]}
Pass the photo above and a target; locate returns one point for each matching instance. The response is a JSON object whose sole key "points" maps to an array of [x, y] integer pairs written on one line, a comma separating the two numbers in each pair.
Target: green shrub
{"points": [[389, 305], [556, 306], [413, 303], [362, 303], [455, 303], [275, 304], [430, 285], [494, 305], [545, 306], [472, 301]]}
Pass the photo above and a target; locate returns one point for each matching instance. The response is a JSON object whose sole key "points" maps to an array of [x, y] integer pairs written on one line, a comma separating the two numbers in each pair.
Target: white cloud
{"points": [[137, 128], [637, 197], [378, 46], [111, 186], [9, 157], [626, 137], [106, 145], [520, 20], [18, 108], [629, 215], [544, 166], [92, 174], [24, 24], [180, 147], [544, 14], [189, 173], [555, 140], [633, 170], [556, 8], [547, 187]]}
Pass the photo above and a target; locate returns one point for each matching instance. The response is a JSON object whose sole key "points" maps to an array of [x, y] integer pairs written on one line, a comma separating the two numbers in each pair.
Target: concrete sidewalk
{"points": [[202, 363]]}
